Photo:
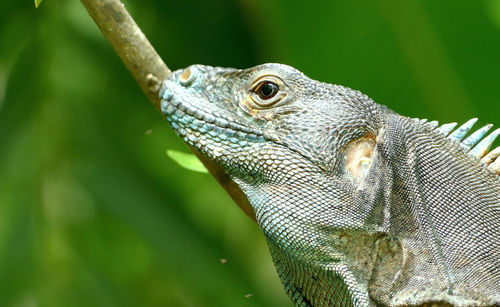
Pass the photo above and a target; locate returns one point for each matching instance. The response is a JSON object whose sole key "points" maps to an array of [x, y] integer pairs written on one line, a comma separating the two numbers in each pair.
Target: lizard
{"points": [[360, 206]]}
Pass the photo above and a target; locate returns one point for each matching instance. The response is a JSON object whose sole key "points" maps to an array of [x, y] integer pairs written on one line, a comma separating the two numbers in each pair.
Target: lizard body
{"points": [[360, 206]]}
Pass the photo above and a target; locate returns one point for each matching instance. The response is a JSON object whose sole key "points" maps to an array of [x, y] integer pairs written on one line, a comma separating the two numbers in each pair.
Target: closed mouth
{"points": [[191, 122]]}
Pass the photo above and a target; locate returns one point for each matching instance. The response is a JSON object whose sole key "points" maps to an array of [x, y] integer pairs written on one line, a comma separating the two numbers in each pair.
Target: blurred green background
{"points": [[93, 213]]}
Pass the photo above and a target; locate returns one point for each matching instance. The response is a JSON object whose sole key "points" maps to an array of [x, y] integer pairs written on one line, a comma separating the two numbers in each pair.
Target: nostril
{"points": [[187, 76]]}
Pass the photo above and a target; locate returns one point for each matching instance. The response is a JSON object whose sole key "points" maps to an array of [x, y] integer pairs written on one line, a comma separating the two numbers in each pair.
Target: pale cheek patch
{"points": [[359, 157]]}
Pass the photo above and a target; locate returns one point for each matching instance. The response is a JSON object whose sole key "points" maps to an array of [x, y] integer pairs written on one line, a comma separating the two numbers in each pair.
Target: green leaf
{"points": [[186, 160], [37, 3]]}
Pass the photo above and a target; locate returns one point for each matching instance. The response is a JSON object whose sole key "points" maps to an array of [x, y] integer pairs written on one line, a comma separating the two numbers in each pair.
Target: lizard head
{"points": [[239, 117]]}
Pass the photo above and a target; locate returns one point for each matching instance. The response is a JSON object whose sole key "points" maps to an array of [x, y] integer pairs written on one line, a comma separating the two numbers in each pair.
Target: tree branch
{"points": [[149, 71]]}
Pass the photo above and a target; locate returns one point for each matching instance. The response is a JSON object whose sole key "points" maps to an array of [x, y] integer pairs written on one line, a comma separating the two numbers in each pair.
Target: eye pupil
{"points": [[267, 90]]}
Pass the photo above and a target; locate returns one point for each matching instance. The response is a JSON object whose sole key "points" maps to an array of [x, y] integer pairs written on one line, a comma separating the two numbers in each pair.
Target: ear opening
{"points": [[359, 157]]}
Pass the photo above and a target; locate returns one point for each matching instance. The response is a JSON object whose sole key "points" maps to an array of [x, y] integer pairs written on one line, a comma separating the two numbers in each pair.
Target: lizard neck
{"points": [[422, 170]]}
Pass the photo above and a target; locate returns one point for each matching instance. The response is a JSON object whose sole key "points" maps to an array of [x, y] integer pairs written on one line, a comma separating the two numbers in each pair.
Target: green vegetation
{"points": [[92, 211], [187, 160]]}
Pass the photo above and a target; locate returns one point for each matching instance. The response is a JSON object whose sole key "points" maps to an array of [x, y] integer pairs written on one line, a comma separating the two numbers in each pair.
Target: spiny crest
{"points": [[476, 143]]}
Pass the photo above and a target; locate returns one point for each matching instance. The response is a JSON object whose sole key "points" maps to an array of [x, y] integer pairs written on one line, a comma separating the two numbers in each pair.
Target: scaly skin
{"points": [[360, 206]]}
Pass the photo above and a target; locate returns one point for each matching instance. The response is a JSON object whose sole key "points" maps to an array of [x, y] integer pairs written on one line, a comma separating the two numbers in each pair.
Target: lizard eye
{"points": [[267, 90]]}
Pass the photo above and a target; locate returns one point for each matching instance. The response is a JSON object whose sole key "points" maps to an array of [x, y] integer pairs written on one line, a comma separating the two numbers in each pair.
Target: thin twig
{"points": [[149, 70]]}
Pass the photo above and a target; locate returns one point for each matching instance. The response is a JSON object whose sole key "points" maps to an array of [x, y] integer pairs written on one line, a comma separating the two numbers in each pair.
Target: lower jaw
{"points": [[193, 130]]}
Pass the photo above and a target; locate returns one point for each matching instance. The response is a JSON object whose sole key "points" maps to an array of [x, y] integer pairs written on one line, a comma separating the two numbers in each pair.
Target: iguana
{"points": [[360, 206]]}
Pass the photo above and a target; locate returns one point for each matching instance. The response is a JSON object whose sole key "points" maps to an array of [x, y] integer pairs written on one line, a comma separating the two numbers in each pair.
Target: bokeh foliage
{"points": [[93, 213]]}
